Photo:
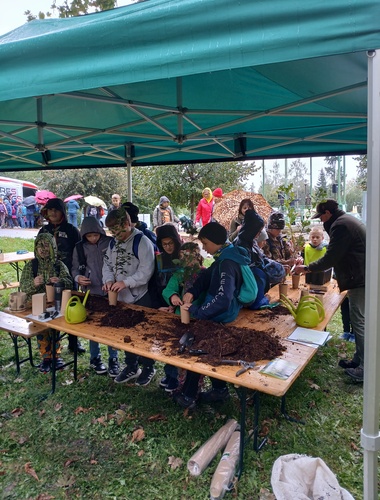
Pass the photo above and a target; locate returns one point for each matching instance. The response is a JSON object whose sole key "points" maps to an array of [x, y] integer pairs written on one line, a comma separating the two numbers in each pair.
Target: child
{"points": [[220, 281], [87, 272], [190, 262], [276, 247], [66, 237], [168, 243], [237, 222], [49, 270], [127, 274], [316, 247]]}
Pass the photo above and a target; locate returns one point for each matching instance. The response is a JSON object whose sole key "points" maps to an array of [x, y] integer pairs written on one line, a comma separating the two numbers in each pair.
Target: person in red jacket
{"points": [[205, 208]]}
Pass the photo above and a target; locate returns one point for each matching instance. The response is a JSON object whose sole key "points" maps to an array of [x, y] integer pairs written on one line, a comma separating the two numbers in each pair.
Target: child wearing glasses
{"points": [[128, 274]]}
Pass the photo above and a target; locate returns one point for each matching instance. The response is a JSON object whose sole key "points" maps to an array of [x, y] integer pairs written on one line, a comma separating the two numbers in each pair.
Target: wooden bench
{"points": [[19, 328], [14, 284]]}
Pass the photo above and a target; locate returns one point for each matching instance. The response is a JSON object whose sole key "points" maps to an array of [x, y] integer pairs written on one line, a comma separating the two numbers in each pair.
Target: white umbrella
{"points": [[95, 201]]}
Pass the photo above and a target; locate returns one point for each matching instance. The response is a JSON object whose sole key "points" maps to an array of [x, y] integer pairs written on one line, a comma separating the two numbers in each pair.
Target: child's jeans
{"points": [[95, 351]]}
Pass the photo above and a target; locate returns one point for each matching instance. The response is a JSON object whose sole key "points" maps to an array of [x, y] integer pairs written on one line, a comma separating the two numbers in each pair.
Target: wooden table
{"points": [[141, 340], [14, 259]]}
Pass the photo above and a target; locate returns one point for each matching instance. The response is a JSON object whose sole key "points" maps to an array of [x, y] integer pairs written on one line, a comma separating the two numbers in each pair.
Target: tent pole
{"points": [[129, 153], [370, 436]]}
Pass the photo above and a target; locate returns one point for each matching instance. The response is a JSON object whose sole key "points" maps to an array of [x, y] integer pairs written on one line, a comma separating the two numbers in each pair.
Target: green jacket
{"points": [[49, 268], [175, 287]]}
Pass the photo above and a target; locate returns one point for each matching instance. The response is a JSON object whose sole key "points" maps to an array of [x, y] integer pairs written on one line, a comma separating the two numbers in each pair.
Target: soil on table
{"points": [[215, 341]]}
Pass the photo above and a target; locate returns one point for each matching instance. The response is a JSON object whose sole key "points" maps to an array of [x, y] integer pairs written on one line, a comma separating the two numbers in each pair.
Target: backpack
{"points": [[248, 290]]}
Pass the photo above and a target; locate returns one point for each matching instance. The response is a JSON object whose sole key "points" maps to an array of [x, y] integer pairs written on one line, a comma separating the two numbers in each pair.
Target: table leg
{"points": [[242, 393], [286, 414]]}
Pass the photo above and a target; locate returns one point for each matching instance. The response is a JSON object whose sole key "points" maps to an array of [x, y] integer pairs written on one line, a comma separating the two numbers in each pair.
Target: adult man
{"points": [[116, 202], [346, 253]]}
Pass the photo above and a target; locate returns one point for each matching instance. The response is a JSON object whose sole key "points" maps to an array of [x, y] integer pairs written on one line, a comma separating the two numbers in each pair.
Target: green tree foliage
{"points": [[101, 182], [354, 195], [297, 176], [361, 169], [183, 184], [73, 8], [322, 182]]}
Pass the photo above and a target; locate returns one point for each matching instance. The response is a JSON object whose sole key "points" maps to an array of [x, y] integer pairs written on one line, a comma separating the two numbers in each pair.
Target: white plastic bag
{"points": [[305, 478]]}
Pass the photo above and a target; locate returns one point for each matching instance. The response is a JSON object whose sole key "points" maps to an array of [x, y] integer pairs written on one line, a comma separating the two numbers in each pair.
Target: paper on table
{"points": [[309, 337], [279, 368], [37, 318]]}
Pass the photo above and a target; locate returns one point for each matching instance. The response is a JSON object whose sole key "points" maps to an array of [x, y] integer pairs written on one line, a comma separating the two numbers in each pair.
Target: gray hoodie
{"points": [[94, 254]]}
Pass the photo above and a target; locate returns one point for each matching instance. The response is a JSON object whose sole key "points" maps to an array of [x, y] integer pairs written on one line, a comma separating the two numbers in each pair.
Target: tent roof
{"points": [[171, 81]]}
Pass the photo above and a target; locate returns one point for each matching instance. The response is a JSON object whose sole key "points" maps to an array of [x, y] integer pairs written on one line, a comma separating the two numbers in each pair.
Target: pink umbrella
{"points": [[43, 196], [73, 197]]}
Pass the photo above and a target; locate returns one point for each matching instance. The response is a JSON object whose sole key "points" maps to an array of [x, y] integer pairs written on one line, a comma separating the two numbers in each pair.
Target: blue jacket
{"points": [[72, 207], [221, 281]]}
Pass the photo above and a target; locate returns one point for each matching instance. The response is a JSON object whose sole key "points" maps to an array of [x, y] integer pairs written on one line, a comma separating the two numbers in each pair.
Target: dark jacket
{"points": [[220, 281], [345, 252], [66, 235]]}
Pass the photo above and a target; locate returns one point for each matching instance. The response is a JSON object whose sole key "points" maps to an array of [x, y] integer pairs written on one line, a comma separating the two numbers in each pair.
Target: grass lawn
{"points": [[94, 439]]}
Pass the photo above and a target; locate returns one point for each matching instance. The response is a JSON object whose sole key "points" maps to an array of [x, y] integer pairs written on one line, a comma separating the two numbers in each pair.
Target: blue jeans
{"points": [[30, 220], [72, 219], [95, 351], [356, 297]]}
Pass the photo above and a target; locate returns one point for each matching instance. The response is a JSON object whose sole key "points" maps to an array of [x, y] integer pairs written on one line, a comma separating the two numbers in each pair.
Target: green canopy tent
{"points": [[181, 81]]}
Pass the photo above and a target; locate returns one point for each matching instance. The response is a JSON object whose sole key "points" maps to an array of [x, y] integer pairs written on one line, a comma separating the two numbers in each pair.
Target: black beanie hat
{"points": [[276, 220], [214, 232], [133, 211]]}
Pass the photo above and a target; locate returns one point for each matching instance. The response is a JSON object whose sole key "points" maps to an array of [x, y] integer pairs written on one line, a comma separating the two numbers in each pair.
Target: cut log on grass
{"points": [[226, 208]]}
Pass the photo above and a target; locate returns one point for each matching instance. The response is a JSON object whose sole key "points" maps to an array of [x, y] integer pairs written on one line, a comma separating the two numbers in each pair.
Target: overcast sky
{"points": [[12, 16]]}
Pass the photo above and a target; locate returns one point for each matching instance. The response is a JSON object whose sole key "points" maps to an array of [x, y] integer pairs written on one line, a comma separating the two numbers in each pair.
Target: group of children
{"points": [[152, 270]]}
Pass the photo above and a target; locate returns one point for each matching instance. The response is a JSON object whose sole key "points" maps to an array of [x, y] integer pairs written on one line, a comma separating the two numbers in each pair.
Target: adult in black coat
{"points": [[346, 254]]}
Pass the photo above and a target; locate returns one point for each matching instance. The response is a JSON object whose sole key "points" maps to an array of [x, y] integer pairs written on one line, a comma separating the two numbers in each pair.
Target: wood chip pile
{"points": [[227, 207]]}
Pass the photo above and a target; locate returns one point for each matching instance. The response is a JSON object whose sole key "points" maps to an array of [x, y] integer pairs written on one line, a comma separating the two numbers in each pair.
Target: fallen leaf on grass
{"points": [[93, 462], [17, 412], [157, 418], [80, 409], [140, 453], [44, 496], [22, 440], [354, 447], [312, 385], [67, 382], [70, 461], [266, 495], [41, 413], [18, 380], [29, 470], [65, 482], [120, 416], [138, 435], [58, 406], [175, 462]]}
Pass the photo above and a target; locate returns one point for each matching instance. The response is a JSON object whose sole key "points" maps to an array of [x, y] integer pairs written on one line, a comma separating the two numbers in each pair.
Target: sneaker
{"points": [[45, 366], [146, 376], [59, 364], [164, 382], [184, 401], [214, 395], [345, 336], [129, 373], [172, 385], [352, 337], [348, 363], [356, 373], [98, 366], [113, 368]]}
